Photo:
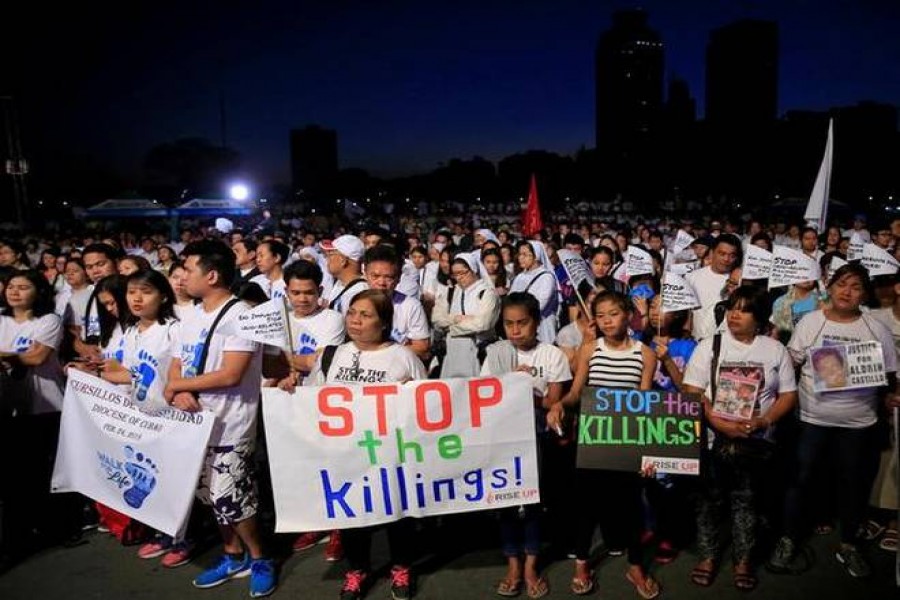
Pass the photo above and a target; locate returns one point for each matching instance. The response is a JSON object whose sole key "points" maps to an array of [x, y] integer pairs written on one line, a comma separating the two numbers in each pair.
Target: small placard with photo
{"points": [[847, 366], [736, 393]]}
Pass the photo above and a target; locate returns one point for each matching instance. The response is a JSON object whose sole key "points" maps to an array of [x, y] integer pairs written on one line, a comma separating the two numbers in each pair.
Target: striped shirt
{"points": [[616, 368]]}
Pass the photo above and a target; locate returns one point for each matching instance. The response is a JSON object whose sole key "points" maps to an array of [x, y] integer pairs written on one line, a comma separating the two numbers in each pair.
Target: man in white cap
{"points": [[342, 259]]}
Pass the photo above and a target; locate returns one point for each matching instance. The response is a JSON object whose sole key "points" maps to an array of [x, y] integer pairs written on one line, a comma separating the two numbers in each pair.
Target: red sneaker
{"points": [[308, 540], [334, 551], [353, 585], [400, 583]]}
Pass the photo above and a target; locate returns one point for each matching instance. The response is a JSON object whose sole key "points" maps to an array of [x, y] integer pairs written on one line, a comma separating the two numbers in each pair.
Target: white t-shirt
{"points": [[344, 298], [886, 317], [856, 408], [273, 289], [322, 328], [569, 336], [351, 365], [148, 355], [115, 347], [78, 300], [93, 318], [708, 285], [45, 381], [429, 278], [183, 310], [548, 365], [764, 353], [410, 322], [235, 406]]}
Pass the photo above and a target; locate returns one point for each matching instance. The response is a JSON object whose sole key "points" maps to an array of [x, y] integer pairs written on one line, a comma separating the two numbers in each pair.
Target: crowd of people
{"points": [[407, 301]]}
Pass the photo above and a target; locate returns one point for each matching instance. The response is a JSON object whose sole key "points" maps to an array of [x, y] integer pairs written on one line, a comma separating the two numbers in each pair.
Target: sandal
{"points": [[703, 576], [746, 581], [665, 553], [509, 588], [648, 590], [582, 586], [538, 589], [889, 541]]}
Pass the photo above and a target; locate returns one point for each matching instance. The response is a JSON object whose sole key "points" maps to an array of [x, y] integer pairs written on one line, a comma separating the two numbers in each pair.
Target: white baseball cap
{"points": [[348, 245]]}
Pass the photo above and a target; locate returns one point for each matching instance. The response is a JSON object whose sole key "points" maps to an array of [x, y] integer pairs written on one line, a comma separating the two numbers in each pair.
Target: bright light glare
{"points": [[239, 191]]}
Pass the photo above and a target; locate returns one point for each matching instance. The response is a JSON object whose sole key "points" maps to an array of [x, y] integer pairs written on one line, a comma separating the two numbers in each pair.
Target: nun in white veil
{"points": [[537, 279]]}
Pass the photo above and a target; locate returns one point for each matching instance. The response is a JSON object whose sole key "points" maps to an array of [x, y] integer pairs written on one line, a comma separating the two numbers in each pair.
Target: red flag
{"points": [[531, 218]]}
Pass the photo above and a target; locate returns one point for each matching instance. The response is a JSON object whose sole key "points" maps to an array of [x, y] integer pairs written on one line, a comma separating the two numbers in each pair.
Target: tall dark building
{"points": [[314, 160], [742, 74], [629, 79], [681, 109]]}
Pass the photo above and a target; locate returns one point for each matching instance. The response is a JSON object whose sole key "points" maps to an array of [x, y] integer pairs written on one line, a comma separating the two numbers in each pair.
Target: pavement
{"points": [[459, 560]]}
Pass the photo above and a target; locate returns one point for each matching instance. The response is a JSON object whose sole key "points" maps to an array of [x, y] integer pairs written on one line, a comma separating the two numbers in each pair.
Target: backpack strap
{"points": [[204, 354], [327, 358], [337, 298]]}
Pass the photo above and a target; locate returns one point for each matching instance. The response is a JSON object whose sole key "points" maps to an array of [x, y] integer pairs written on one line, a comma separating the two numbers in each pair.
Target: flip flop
{"points": [[702, 576], [649, 590], [509, 588], [538, 589], [871, 530], [582, 586]]}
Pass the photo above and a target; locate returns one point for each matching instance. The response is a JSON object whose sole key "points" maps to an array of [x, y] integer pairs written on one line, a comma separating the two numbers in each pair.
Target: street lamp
{"points": [[239, 192]]}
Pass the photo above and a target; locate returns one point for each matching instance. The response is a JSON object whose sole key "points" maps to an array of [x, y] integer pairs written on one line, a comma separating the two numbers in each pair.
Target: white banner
{"points": [[576, 267], [145, 466], [678, 294], [264, 323], [683, 268], [847, 366], [638, 262], [857, 243], [878, 261], [757, 263], [791, 266], [817, 208], [682, 241], [836, 263], [351, 456]]}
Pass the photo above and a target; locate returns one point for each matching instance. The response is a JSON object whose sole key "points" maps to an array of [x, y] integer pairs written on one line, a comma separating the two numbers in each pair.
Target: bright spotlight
{"points": [[239, 191]]}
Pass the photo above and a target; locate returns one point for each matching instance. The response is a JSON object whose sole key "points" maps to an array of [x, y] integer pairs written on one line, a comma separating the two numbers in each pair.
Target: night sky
{"points": [[406, 84]]}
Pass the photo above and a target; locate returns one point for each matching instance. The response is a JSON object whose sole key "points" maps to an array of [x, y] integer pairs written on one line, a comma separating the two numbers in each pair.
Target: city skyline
{"points": [[405, 88]]}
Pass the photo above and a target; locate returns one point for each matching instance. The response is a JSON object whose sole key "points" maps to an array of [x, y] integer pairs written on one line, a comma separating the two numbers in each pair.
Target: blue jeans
{"points": [[520, 530], [853, 456]]}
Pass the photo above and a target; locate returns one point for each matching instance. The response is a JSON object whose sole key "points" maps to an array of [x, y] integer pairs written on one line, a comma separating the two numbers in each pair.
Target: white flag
{"points": [[757, 263], [682, 241], [817, 208], [638, 262], [855, 251], [791, 266], [682, 268], [264, 323], [878, 261], [576, 268], [678, 294]]}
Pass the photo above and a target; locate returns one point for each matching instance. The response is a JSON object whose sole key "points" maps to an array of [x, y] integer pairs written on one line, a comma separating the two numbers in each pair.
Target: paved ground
{"points": [[460, 561]]}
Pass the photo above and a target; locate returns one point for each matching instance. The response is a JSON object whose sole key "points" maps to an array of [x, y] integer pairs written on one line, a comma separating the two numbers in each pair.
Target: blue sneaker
{"points": [[262, 577], [227, 568]]}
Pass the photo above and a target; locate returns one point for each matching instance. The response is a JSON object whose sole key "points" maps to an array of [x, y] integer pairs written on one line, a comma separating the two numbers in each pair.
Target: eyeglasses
{"points": [[460, 272]]}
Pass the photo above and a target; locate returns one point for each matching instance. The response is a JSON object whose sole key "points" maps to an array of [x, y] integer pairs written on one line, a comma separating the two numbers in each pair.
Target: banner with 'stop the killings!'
{"points": [[357, 455]]}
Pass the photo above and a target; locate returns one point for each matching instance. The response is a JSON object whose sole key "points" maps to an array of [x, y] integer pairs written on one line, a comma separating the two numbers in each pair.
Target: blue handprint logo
{"points": [[22, 344], [306, 344], [193, 363], [142, 472], [144, 374]]}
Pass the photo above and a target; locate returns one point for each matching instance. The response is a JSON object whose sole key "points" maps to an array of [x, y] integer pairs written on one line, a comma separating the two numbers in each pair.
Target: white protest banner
{"points": [[682, 268], [817, 207], [356, 455], [847, 366], [638, 262], [264, 323], [857, 243], [145, 466], [791, 266], [576, 267], [836, 263], [757, 263], [682, 241], [678, 294], [878, 261]]}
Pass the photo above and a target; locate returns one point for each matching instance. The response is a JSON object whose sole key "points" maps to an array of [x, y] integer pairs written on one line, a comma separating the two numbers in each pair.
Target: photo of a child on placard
{"points": [[829, 368]]}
